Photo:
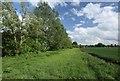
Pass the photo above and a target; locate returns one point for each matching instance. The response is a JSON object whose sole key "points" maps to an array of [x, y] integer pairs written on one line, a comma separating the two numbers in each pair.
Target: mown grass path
{"points": [[63, 64]]}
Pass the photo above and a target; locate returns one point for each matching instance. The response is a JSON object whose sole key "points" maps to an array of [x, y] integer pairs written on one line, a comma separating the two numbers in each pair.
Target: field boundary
{"points": [[104, 58]]}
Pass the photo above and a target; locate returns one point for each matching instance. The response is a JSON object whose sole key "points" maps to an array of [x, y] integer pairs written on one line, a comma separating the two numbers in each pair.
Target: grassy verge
{"points": [[63, 64]]}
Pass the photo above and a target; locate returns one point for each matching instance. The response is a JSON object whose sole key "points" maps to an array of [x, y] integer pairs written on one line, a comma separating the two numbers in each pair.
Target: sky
{"points": [[85, 22]]}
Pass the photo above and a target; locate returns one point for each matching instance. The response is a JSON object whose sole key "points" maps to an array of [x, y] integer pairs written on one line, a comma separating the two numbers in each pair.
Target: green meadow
{"points": [[62, 64]]}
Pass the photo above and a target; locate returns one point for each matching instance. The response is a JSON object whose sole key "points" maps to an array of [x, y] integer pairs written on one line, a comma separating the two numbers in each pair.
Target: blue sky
{"points": [[67, 20], [87, 22]]}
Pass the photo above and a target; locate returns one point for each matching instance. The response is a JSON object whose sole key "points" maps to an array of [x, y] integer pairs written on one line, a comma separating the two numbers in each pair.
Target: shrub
{"points": [[25, 48]]}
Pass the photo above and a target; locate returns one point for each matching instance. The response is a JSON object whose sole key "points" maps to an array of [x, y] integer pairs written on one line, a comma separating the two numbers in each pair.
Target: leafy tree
{"points": [[80, 46], [40, 30], [0, 25], [99, 45], [55, 33], [75, 44], [111, 45], [24, 24], [10, 26]]}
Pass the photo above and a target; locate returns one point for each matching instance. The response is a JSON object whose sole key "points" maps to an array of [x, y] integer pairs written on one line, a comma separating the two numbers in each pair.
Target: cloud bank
{"points": [[52, 3], [106, 30]]}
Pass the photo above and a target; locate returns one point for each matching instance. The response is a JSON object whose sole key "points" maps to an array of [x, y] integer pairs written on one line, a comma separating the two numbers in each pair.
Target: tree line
{"points": [[76, 45], [39, 30]]}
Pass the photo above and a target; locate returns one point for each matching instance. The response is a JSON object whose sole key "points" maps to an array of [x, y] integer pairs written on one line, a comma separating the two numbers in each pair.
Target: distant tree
{"points": [[115, 45], [86, 45], [111, 45], [80, 46], [75, 44], [99, 45]]}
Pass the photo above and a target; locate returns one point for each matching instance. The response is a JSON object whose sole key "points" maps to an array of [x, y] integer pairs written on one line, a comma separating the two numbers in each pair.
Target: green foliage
{"points": [[25, 48], [75, 44], [7, 44], [40, 30], [0, 40], [100, 45], [57, 37], [80, 46], [9, 25], [30, 46]]}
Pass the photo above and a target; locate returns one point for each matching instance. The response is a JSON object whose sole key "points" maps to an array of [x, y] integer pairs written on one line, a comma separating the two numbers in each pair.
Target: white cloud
{"points": [[76, 12], [75, 3], [66, 13], [106, 31], [73, 18], [52, 3], [91, 9], [19, 16], [75, 0], [34, 2], [77, 25], [82, 22], [61, 17]]}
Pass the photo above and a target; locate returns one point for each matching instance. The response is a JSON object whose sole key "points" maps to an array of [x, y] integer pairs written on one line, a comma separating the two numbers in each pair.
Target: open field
{"points": [[107, 53], [62, 64]]}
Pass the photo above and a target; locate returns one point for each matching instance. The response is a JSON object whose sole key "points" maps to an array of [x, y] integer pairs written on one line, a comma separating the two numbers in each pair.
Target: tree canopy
{"points": [[39, 30], [75, 44]]}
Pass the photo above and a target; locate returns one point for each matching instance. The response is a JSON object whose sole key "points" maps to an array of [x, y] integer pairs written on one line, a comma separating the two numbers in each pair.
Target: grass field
{"points": [[110, 53], [62, 64]]}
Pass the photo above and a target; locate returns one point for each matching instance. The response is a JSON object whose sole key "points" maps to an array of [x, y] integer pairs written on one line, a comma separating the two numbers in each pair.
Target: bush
{"points": [[44, 47], [25, 48], [8, 48], [32, 45], [36, 46]]}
